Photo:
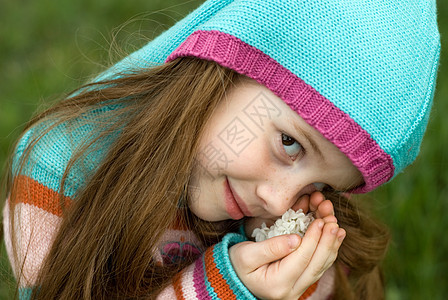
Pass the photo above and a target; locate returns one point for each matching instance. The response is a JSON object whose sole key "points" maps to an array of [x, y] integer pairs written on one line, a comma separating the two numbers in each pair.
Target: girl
{"points": [[147, 182]]}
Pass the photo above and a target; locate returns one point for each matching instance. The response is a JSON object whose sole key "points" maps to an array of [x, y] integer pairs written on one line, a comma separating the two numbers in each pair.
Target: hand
{"points": [[283, 267]]}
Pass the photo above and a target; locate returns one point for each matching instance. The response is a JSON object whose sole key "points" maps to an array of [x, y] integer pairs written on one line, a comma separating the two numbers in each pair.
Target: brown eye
{"points": [[287, 140], [291, 146]]}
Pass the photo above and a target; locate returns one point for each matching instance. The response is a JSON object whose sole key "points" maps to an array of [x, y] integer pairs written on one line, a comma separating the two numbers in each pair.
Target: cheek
{"points": [[218, 156], [255, 159], [198, 196]]}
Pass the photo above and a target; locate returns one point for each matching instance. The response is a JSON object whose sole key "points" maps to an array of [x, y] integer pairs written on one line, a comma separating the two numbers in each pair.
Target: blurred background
{"points": [[48, 48]]}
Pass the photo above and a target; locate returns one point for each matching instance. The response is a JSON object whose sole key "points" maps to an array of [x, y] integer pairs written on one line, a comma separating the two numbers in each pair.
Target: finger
{"points": [[330, 219], [325, 209], [303, 203], [320, 265], [294, 264], [315, 199], [324, 256], [251, 256], [328, 246]]}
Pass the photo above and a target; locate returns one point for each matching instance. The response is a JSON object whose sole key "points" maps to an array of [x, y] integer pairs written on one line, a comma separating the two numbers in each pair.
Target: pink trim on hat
{"points": [[375, 165]]}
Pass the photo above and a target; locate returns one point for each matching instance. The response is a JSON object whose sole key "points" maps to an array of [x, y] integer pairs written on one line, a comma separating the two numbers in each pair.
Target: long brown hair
{"points": [[104, 247], [358, 265]]}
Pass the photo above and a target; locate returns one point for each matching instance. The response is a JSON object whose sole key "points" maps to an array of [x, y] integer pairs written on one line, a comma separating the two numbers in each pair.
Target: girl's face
{"points": [[258, 157]]}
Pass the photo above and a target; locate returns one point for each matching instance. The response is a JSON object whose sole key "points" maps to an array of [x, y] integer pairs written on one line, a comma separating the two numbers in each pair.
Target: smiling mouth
{"points": [[232, 207], [235, 206]]}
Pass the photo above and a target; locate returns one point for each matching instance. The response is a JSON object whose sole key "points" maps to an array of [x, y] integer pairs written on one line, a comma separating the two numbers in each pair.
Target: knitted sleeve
{"points": [[212, 276], [36, 214], [36, 180]]}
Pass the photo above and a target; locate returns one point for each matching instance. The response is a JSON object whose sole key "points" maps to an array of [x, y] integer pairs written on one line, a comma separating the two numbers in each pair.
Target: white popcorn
{"points": [[291, 222]]}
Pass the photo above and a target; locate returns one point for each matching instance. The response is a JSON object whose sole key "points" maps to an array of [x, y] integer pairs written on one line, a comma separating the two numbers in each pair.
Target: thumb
{"points": [[255, 255]]}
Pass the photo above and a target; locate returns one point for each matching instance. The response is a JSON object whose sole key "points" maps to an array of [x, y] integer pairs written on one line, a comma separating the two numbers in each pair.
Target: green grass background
{"points": [[47, 48]]}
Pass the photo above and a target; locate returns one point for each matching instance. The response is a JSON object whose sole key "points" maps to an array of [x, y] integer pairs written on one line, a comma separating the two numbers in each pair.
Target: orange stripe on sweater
{"points": [[309, 291], [29, 191], [218, 283], [177, 286]]}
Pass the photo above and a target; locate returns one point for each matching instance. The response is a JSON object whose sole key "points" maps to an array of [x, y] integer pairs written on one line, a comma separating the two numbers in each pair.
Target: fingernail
{"points": [[293, 241], [320, 224], [334, 230], [341, 238]]}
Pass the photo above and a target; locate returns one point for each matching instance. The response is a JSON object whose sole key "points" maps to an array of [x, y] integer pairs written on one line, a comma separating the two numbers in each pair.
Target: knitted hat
{"points": [[360, 72]]}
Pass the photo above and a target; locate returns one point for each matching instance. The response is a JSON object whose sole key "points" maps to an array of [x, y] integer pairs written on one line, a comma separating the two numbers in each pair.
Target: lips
{"points": [[235, 206]]}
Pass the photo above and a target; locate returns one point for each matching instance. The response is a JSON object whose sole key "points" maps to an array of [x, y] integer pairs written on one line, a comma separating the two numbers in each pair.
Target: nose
{"points": [[280, 195]]}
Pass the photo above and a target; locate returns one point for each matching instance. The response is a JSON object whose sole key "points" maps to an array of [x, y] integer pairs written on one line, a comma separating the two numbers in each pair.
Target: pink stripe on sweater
{"points": [[375, 165], [198, 278]]}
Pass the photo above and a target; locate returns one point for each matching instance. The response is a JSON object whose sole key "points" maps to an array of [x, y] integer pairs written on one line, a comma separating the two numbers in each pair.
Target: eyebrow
{"points": [[309, 139]]}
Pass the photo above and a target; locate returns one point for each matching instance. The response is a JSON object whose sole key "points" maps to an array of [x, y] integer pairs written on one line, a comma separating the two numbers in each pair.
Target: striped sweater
{"points": [[211, 276], [38, 216]]}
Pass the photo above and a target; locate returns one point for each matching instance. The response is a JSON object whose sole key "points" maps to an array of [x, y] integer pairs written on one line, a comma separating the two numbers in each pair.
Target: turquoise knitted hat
{"points": [[362, 73]]}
